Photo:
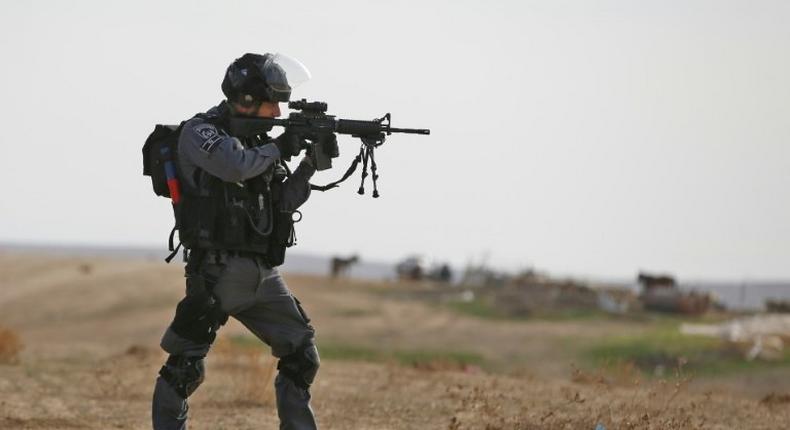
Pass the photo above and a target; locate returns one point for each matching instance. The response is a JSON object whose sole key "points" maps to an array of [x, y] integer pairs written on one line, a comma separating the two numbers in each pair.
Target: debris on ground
{"points": [[759, 336]]}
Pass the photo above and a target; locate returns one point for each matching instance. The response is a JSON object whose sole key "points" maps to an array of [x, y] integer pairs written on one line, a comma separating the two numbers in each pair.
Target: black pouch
{"points": [[302, 312], [234, 229], [199, 314], [190, 321], [197, 221], [282, 237]]}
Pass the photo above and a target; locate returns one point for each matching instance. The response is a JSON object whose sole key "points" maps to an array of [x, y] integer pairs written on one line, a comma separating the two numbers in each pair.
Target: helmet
{"points": [[255, 78]]}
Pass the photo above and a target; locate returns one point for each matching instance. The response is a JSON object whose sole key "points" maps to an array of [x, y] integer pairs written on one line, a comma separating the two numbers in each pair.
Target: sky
{"points": [[585, 138]]}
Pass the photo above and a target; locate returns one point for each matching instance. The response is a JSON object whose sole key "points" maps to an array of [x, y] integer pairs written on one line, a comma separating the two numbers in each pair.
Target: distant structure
{"points": [[777, 306], [415, 268], [650, 282], [441, 273], [411, 268], [483, 276], [340, 266], [660, 293]]}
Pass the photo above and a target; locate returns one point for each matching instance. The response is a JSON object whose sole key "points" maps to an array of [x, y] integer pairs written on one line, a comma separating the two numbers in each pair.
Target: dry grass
{"points": [[92, 363], [248, 371], [776, 399], [10, 346], [653, 404]]}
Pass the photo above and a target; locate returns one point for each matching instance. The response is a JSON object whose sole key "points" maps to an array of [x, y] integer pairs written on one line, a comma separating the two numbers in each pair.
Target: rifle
{"points": [[312, 122]]}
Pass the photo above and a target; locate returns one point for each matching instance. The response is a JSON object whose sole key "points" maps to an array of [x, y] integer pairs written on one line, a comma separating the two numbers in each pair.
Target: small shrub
{"points": [[10, 346]]}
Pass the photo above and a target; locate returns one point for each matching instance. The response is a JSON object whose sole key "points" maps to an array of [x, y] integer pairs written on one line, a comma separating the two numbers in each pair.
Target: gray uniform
{"points": [[246, 287]]}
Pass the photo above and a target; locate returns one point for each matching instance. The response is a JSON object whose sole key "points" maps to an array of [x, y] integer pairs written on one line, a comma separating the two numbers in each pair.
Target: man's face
{"points": [[265, 110], [268, 110]]}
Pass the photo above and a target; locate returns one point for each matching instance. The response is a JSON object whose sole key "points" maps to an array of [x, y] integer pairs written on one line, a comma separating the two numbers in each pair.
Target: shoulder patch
{"points": [[210, 136]]}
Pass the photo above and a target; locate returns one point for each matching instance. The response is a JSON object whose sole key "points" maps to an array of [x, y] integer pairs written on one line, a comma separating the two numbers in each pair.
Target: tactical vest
{"points": [[245, 217]]}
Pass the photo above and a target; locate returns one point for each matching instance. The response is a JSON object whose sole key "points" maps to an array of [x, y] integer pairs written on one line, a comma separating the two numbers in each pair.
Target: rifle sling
{"points": [[351, 169]]}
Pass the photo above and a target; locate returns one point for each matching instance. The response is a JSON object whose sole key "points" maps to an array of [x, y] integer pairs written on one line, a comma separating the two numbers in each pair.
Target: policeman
{"points": [[236, 219]]}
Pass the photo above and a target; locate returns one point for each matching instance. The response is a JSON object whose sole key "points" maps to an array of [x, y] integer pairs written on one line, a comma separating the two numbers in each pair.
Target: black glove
{"points": [[322, 151], [289, 144], [328, 146]]}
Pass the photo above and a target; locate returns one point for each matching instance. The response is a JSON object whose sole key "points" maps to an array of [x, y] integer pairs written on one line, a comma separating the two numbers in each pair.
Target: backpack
{"points": [[160, 162], [160, 155]]}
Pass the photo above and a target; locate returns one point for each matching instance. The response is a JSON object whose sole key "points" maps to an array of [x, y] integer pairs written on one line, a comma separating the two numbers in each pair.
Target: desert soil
{"points": [[90, 330]]}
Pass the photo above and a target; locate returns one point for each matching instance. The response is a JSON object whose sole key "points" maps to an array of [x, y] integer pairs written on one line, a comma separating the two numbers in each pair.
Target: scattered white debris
{"points": [[760, 336]]}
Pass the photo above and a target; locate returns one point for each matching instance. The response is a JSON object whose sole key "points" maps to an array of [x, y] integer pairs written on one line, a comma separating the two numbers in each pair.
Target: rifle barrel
{"points": [[252, 126], [410, 130]]}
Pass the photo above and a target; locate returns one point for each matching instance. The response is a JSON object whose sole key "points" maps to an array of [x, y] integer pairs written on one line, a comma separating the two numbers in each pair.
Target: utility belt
{"points": [[221, 256]]}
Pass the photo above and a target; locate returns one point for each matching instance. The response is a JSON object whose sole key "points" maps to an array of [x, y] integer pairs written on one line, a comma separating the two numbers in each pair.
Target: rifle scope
{"points": [[304, 105]]}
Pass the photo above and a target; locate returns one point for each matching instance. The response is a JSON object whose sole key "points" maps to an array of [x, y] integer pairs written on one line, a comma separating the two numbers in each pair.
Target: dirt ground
{"points": [[90, 330]]}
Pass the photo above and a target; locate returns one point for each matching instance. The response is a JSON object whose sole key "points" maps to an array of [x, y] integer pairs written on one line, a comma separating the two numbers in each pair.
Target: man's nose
{"points": [[277, 112]]}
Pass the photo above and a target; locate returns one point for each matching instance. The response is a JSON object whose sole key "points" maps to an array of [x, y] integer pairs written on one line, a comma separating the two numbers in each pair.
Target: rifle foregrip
{"points": [[357, 127]]}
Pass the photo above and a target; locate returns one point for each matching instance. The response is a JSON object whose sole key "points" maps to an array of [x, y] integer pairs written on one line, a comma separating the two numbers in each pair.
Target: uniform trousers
{"points": [[256, 295]]}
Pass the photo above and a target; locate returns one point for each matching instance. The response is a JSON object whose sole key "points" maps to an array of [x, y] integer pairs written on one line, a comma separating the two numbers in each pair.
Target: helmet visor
{"points": [[283, 73]]}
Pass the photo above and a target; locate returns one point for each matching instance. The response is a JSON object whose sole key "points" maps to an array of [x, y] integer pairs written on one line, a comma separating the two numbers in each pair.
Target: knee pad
{"points": [[184, 374], [301, 366]]}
